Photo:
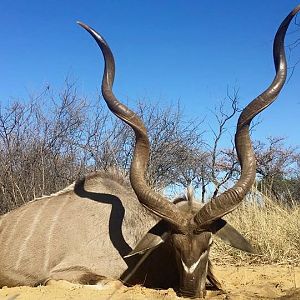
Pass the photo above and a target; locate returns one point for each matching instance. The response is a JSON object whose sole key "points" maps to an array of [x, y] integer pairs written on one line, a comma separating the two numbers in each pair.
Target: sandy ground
{"points": [[242, 283]]}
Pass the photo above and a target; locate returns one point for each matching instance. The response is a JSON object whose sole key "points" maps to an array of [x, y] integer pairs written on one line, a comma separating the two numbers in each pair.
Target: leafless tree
{"points": [[53, 139], [277, 168], [218, 165]]}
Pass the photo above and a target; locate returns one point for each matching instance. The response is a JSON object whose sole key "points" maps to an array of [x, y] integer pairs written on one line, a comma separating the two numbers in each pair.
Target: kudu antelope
{"points": [[100, 227]]}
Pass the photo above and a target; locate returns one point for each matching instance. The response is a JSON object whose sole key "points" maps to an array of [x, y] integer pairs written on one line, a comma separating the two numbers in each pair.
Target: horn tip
{"points": [[82, 24], [295, 10]]}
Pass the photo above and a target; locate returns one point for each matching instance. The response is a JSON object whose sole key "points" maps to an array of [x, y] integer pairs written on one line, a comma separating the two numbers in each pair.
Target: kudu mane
{"points": [[113, 175]]}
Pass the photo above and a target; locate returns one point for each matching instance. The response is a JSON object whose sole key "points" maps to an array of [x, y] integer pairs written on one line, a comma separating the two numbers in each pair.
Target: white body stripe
{"points": [[48, 245], [34, 224]]}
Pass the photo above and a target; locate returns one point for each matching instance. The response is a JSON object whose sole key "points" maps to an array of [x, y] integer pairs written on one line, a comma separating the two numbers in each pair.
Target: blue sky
{"points": [[165, 51]]}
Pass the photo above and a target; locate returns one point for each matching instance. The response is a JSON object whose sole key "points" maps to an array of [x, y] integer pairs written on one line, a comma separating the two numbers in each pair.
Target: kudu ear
{"points": [[230, 235], [152, 239]]}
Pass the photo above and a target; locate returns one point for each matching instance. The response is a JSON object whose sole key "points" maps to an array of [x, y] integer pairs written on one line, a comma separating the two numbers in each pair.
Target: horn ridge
{"points": [[149, 198], [230, 199]]}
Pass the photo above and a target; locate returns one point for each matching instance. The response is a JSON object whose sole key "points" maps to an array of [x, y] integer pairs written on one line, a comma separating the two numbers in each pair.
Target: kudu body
{"points": [[85, 229], [87, 232]]}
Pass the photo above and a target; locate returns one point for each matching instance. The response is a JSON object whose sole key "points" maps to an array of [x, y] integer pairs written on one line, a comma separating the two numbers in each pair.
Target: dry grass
{"points": [[272, 229]]}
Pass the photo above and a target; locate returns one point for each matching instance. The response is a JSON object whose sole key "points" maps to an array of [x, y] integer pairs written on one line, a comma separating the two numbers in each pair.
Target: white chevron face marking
{"points": [[193, 267]]}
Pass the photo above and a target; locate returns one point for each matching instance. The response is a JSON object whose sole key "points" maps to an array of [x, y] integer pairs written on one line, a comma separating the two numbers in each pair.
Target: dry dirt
{"points": [[242, 283]]}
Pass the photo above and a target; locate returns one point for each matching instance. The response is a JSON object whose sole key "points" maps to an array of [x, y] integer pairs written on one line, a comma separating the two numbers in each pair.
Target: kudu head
{"points": [[187, 226]]}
